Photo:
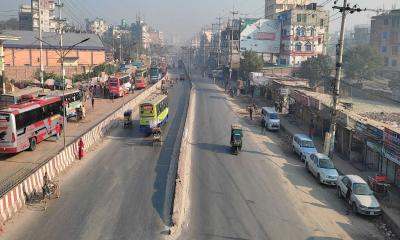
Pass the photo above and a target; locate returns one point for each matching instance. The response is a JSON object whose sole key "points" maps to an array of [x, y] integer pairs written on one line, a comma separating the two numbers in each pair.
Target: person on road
{"points": [[58, 130], [46, 184], [81, 146], [348, 196], [92, 102], [251, 109]]}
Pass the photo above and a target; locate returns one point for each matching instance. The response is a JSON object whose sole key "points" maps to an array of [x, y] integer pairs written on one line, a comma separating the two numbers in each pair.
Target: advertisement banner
{"points": [[260, 35]]}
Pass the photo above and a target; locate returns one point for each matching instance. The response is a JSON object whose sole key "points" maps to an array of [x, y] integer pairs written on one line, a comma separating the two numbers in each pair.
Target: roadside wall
{"points": [[14, 199]]}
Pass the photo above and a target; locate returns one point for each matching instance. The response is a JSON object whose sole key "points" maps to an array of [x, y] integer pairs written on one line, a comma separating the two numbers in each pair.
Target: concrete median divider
{"points": [[14, 198], [181, 198]]}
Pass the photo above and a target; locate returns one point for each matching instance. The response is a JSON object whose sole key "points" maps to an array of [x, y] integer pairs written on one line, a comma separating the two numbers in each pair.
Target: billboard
{"points": [[260, 35]]}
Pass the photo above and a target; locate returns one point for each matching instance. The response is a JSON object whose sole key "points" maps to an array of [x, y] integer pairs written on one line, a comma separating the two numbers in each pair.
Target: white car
{"points": [[322, 168], [362, 199], [303, 146]]}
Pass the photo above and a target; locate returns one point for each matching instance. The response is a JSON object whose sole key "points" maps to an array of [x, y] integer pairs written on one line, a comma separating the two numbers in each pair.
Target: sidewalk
{"points": [[391, 214]]}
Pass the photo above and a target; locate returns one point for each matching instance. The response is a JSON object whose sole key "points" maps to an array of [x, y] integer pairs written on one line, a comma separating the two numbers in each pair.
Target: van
{"points": [[303, 146], [270, 118]]}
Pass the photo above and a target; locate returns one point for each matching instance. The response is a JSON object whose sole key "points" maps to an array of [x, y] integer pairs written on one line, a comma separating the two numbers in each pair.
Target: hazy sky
{"points": [[181, 17]]}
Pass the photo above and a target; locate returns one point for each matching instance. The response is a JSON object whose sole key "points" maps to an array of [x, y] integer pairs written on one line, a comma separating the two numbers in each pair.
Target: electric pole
{"points": [[60, 21], [330, 139], [219, 41], [41, 46]]}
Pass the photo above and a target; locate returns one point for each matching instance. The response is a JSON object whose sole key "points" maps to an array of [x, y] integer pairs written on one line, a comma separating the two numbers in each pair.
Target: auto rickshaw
{"points": [[236, 138], [127, 118]]}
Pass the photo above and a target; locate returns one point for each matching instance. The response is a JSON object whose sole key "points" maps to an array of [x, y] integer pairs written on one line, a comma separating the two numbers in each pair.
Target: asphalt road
{"points": [[264, 192], [117, 192]]}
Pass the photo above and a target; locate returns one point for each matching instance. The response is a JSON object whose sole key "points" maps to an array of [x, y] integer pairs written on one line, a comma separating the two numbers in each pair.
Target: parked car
{"points": [[362, 199], [303, 146], [322, 168], [270, 118]]}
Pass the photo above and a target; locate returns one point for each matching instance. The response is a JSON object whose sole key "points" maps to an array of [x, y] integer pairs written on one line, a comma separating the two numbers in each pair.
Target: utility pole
{"points": [[330, 139], [234, 12], [41, 47], [60, 21], [120, 49], [219, 40]]}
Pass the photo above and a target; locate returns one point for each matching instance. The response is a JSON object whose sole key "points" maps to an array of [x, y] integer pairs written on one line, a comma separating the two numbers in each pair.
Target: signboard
{"points": [[260, 35], [284, 91], [391, 137]]}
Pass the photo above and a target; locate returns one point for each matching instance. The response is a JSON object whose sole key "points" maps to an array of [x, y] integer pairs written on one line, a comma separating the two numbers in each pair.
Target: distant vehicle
{"points": [[119, 84], [236, 138], [24, 125], [362, 199], [140, 79], [153, 112], [303, 146], [72, 101], [155, 74], [182, 77], [322, 168], [270, 118], [12, 99]]}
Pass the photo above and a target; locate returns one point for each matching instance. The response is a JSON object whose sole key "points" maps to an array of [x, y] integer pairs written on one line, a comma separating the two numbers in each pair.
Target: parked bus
{"points": [[140, 78], [153, 112], [72, 101], [119, 84], [24, 125], [155, 74], [12, 99]]}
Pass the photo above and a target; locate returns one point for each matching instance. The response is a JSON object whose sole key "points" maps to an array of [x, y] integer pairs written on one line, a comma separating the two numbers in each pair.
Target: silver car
{"points": [[322, 167], [362, 199]]}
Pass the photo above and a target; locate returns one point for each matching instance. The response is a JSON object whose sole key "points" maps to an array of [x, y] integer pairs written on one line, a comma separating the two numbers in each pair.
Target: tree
{"points": [[317, 69], [10, 24], [46, 75], [251, 62], [362, 62]]}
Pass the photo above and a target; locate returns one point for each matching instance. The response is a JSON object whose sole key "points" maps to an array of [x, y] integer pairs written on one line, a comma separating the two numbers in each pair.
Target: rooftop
{"points": [[28, 40]]}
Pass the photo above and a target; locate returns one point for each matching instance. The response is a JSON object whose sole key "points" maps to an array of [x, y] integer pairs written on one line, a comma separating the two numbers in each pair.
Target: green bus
{"points": [[153, 112]]}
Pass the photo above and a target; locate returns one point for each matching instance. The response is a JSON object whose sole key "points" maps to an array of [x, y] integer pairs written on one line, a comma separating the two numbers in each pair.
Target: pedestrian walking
{"points": [[81, 147], [92, 102], [262, 126], [58, 130], [348, 196], [251, 109], [311, 129]]}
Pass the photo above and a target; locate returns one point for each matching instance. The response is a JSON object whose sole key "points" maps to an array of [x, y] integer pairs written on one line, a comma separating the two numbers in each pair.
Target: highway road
{"points": [[117, 192], [264, 192]]}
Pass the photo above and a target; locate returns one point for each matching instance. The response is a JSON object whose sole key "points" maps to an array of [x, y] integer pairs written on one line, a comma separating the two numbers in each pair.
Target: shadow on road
{"points": [[216, 148]]}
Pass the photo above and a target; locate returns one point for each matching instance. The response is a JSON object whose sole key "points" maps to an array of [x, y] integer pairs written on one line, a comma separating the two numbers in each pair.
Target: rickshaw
{"points": [[157, 135], [236, 138], [380, 185], [127, 118]]}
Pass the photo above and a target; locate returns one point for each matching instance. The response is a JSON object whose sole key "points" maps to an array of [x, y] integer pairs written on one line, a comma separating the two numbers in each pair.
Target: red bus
{"points": [[119, 84], [140, 78], [24, 125]]}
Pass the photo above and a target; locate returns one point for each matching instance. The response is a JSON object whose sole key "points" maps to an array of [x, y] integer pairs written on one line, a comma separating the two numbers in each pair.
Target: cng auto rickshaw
{"points": [[236, 138]]}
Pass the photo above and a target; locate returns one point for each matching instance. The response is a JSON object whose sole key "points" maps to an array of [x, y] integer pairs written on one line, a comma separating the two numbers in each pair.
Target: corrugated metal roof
{"points": [[28, 40]]}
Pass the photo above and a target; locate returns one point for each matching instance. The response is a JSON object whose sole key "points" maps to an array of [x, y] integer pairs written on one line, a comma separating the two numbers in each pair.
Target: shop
{"points": [[366, 146], [391, 156]]}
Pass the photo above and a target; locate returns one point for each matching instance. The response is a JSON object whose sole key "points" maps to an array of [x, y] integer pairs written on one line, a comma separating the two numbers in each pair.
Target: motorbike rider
{"points": [[46, 184]]}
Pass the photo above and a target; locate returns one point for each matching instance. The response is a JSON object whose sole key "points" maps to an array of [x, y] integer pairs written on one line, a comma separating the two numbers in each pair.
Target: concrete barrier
{"points": [[14, 199], [181, 203]]}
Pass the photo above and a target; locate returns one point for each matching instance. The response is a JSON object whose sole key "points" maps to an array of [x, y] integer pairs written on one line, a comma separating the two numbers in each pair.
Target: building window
{"points": [[312, 32], [298, 47], [394, 62], [384, 49], [300, 31], [304, 18], [385, 35], [308, 47], [321, 22], [386, 62], [395, 21], [395, 50], [298, 17]]}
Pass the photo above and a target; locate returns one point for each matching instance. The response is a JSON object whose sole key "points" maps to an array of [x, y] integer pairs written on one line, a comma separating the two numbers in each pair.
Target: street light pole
{"points": [[120, 49]]}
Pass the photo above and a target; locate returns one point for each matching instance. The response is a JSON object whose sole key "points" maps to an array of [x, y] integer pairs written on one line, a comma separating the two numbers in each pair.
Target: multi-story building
{"points": [[97, 26], [25, 17], [276, 6], [385, 37], [230, 45], [361, 34], [304, 34], [46, 10], [140, 34], [156, 37]]}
